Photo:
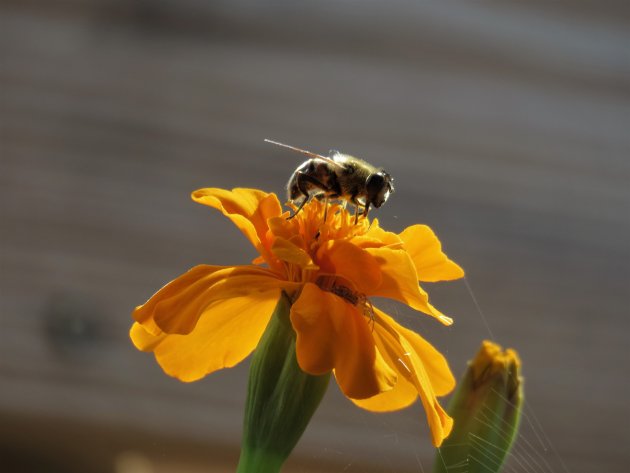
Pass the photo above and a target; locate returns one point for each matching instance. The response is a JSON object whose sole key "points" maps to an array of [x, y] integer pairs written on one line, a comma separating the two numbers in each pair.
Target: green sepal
{"points": [[486, 409], [281, 398]]}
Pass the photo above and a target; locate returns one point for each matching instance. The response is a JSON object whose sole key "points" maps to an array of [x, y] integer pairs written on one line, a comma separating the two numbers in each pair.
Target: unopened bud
{"points": [[486, 409]]}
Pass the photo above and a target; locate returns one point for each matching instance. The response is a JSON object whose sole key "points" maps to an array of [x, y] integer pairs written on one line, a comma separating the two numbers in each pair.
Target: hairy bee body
{"points": [[344, 182], [338, 176]]}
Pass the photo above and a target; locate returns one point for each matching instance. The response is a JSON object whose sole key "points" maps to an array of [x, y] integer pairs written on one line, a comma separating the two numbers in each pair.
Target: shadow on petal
{"points": [[333, 334]]}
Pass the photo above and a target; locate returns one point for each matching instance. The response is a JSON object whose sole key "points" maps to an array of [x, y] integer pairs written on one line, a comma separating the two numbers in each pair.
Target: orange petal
{"points": [[186, 283], [400, 282], [426, 252], [402, 395], [283, 228], [143, 339], [332, 334], [405, 393], [228, 331], [386, 238], [177, 307], [376, 237], [434, 362], [350, 262], [287, 251], [248, 209], [416, 369]]}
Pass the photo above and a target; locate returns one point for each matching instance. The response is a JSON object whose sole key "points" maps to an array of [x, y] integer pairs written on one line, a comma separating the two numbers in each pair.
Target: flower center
{"points": [[312, 230], [319, 222]]}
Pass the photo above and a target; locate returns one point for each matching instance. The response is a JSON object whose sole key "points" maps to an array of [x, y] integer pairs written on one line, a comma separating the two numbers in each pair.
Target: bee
{"points": [[338, 176]]}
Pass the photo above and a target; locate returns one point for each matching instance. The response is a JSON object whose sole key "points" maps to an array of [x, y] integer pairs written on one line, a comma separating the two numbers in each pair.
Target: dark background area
{"points": [[505, 124]]}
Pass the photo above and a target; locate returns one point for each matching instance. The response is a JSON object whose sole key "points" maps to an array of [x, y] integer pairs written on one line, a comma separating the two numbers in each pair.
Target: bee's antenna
{"points": [[303, 151]]}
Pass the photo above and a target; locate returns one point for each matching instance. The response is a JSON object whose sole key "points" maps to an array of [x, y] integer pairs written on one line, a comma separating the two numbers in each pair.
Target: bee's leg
{"points": [[366, 210], [304, 202], [357, 208], [357, 211], [303, 180]]}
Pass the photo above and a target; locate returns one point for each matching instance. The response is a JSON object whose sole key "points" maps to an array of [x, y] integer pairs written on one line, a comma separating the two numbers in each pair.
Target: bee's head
{"points": [[379, 185]]}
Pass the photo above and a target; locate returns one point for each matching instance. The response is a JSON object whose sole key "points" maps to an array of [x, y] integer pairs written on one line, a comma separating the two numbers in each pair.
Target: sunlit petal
{"points": [[410, 364], [405, 393], [184, 284], [386, 238], [400, 282], [291, 253], [177, 307], [144, 340], [228, 331], [426, 252], [434, 362], [248, 209]]}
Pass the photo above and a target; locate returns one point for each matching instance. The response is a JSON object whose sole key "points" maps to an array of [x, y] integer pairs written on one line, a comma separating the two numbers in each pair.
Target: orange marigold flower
{"points": [[212, 317]]}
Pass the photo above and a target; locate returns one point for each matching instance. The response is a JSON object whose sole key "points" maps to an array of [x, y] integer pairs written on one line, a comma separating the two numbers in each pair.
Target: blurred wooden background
{"points": [[505, 124]]}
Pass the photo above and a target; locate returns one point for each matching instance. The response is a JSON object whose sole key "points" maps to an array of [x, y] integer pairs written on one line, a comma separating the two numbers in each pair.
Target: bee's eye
{"points": [[377, 191], [374, 183]]}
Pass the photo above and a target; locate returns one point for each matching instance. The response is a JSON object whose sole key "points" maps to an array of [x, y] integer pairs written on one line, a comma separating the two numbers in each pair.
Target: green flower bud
{"points": [[281, 398], [486, 409]]}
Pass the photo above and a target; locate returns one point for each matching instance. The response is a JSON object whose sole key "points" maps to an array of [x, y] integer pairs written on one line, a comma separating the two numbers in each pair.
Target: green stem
{"points": [[281, 398], [259, 461]]}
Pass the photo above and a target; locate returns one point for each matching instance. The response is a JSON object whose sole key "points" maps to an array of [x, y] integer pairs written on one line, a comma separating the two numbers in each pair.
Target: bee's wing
{"points": [[303, 151]]}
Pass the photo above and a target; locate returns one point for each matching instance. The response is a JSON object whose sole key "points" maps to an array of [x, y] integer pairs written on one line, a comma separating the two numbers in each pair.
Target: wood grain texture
{"points": [[505, 126]]}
